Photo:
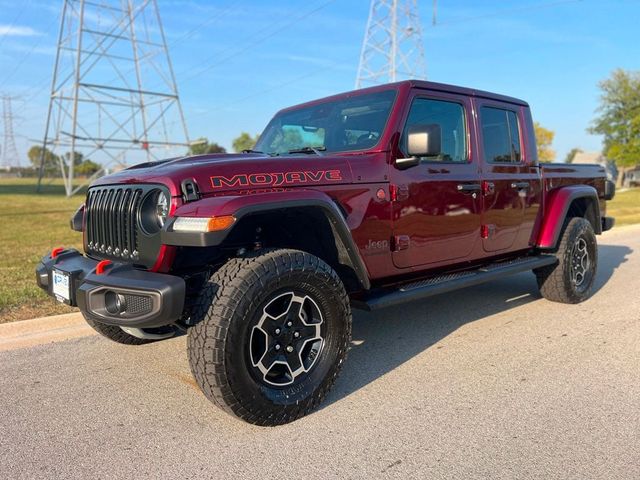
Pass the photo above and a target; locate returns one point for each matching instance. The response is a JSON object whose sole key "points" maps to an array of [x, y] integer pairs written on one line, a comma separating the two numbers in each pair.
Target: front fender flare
{"points": [[245, 205], [557, 207]]}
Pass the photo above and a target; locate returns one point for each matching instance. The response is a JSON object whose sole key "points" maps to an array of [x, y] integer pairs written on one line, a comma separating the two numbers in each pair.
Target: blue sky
{"points": [[259, 59]]}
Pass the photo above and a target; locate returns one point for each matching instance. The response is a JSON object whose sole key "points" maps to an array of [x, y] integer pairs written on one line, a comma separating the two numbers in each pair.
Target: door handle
{"points": [[520, 185], [469, 187]]}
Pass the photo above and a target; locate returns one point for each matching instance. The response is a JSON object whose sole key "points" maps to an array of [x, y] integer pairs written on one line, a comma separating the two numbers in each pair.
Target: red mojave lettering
{"points": [[275, 179]]}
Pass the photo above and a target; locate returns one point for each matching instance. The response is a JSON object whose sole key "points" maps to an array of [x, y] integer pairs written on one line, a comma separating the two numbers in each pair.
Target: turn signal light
{"points": [[56, 251], [220, 223]]}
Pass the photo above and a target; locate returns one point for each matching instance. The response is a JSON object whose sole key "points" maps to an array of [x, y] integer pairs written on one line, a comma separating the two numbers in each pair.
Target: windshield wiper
{"points": [[316, 150], [249, 150]]}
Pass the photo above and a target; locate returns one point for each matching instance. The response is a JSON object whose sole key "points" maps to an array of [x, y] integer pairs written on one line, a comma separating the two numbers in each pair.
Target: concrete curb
{"points": [[57, 328]]}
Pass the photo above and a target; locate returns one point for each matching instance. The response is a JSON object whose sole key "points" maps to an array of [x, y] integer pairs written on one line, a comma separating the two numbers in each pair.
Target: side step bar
{"points": [[446, 283]]}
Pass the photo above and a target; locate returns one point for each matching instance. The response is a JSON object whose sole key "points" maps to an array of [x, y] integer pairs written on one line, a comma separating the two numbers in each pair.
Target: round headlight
{"points": [[162, 208], [154, 211]]}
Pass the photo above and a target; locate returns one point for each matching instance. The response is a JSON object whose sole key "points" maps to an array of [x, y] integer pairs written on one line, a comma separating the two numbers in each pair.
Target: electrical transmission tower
{"points": [[392, 48], [10, 156], [114, 98]]}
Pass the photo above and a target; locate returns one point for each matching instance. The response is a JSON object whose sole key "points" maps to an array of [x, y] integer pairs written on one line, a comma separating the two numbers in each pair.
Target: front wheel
{"points": [[571, 279], [272, 334]]}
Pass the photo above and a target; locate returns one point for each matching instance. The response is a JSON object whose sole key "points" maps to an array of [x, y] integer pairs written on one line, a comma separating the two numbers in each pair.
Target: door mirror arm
{"points": [[404, 163]]}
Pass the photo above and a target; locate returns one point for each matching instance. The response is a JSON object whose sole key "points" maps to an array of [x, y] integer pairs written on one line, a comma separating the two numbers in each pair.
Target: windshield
{"points": [[354, 123]]}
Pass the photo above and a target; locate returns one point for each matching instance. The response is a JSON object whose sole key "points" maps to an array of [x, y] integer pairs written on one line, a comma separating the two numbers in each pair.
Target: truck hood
{"points": [[237, 172]]}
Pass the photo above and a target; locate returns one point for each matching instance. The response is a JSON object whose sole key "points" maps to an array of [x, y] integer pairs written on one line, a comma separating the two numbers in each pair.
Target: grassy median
{"points": [[30, 226], [33, 224], [625, 207]]}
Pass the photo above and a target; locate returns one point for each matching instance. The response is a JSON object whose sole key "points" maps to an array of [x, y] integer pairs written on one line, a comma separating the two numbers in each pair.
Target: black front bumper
{"points": [[121, 295]]}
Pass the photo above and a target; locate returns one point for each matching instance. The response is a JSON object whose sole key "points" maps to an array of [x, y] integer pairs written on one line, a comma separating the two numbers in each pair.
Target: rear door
{"points": [[511, 185], [437, 205]]}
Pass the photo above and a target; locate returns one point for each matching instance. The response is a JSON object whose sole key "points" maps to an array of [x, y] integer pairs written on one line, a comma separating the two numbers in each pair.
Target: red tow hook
{"points": [[102, 265], [56, 251]]}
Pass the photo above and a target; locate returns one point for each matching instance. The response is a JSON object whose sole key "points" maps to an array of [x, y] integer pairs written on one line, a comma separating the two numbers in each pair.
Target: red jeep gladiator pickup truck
{"points": [[368, 199]]}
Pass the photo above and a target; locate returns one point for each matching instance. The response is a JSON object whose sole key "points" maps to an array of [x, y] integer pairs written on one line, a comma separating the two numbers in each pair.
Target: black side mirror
{"points": [[422, 141]]}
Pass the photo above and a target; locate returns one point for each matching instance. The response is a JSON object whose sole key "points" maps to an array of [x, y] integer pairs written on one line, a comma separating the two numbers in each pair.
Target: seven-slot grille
{"points": [[111, 221]]}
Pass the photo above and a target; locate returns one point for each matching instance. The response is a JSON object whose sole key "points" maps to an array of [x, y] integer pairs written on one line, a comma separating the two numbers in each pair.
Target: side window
{"points": [[450, 117], [500, 135]]}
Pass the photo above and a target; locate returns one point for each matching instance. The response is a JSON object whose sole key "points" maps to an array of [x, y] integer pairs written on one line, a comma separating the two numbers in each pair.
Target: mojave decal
{"points": [[275, 179]]}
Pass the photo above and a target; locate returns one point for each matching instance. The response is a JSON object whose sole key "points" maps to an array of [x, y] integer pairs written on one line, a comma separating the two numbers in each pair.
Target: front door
{"points": [[437, 204]]}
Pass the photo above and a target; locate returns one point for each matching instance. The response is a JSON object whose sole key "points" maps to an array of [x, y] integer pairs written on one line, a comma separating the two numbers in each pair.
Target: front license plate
{"points": [[61, 286]]}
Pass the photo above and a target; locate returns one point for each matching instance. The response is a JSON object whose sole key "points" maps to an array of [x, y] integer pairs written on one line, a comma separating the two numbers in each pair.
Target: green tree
{"points": [[572, 155], [202, 146], [618, 119], [78, 158], [544, 139], [87, 168], [244, 142], [51, 165]]}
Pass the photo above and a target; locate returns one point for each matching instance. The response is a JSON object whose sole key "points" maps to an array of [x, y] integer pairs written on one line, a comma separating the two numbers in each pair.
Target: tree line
{"points": [[51, 166]]}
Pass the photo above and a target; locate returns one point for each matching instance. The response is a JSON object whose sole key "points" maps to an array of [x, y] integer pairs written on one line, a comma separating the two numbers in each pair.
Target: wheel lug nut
{"points": [[289, 324], [277, 331], [289, 348], [296, 334], [277, 347]]}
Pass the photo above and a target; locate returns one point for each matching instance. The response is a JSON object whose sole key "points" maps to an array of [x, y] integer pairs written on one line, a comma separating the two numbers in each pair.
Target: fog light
{"points": [[114, 302]]}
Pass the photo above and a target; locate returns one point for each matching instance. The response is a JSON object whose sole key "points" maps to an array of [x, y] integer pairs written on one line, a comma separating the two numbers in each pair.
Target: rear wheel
{"points": [[571, 279], [273, 331]]}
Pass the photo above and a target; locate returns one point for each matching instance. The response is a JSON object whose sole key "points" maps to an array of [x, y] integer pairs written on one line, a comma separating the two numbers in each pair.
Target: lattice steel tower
{"points": [[114, 97], [392, 49], [10, 156]]}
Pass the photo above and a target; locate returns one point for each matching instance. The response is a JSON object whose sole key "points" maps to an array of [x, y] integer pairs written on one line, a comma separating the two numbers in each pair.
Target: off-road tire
{"points": [[115, 333], [237, 293], [555, 281]]}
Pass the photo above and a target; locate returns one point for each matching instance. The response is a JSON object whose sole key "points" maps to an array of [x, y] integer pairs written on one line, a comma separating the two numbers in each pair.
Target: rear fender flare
{"points": [[557, 207]]}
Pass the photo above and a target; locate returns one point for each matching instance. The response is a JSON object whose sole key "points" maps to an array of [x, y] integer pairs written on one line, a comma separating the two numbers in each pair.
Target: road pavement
{"points": [[487, 382]]}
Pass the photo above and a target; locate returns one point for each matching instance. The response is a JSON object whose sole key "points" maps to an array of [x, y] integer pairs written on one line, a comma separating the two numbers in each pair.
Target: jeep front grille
{"points": [[111, 221]]}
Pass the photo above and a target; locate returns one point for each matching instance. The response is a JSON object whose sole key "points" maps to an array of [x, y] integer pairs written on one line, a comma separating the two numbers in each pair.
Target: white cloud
{"points": [[16, 31]]}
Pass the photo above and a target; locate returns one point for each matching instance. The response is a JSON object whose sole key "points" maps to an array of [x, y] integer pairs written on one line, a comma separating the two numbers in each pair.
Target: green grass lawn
{"points": [[625, 207], [31, 225]]}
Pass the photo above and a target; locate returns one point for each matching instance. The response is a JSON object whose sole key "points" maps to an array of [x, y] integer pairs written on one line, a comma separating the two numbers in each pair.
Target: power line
{"points": [[13, 23], [210, 20], [24, 57], [256, 40], [505, 10]]}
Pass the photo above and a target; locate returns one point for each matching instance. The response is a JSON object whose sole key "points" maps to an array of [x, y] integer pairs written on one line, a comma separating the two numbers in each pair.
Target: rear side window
{"points": [[450, 117], [500, 135]]}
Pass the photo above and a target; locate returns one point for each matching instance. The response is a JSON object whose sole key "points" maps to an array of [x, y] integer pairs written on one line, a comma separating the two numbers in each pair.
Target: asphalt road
{"points": [[488, 382]]}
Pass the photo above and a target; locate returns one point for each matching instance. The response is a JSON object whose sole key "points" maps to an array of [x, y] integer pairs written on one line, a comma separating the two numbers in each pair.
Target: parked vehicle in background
{"points": [[368, 199]]}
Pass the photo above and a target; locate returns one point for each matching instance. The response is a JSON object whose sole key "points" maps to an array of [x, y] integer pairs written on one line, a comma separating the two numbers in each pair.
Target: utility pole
{"points": [[114, 98], [393, 46], [10, 156]]}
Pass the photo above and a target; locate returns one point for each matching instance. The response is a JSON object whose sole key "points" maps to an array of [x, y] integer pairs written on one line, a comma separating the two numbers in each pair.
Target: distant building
{"points": [[595, 158], [632, 178]]}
